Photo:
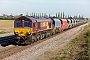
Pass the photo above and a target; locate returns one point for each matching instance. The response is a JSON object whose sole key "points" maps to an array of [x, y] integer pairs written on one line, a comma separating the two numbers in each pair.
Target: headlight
{"points": [[28, 33], [16, 33]]}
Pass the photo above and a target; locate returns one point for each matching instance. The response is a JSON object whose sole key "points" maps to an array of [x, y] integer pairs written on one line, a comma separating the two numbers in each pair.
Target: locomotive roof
{"points": [[26, 18], [40, 19], [34, 19]]}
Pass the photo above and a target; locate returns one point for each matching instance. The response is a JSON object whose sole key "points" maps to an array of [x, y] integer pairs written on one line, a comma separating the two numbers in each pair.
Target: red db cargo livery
{"points": [[64, 24]]}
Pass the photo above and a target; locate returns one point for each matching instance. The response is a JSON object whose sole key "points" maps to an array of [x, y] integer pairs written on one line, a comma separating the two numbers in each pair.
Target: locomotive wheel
{"points": [[46, 35], [51, 33], [19, 42], [28, 40], [38, 37], [41, 37], [34, 39]]}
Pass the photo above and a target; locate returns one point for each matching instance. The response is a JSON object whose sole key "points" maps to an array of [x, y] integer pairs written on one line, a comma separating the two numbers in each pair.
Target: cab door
{"points": [[34, 27]]}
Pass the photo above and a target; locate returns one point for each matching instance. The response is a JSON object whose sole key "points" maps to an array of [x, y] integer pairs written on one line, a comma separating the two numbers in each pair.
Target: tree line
{"points": [[57, 15]]}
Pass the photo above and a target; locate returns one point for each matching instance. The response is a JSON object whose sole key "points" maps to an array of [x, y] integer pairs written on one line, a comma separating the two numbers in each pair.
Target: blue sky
{"points": [[70, 7]]}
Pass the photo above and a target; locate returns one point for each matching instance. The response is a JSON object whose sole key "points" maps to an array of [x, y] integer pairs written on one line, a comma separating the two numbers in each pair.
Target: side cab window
{"points": [[34, 25], [49, 24], [38, 25]]}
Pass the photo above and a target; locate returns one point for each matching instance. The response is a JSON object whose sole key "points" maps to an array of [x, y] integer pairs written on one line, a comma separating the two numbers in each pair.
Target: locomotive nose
{"points": [[21, 32]]}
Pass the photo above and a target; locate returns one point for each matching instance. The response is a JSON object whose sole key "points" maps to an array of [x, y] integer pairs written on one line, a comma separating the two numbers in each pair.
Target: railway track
{"points": [[15, 49]]}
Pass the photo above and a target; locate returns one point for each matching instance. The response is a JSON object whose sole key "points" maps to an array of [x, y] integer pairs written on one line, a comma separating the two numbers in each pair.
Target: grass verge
{"points": [[2, 32], [78, 49]]}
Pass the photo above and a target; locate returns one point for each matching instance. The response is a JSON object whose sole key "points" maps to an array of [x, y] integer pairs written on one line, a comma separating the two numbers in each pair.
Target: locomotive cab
{"points": [[23, 29]]}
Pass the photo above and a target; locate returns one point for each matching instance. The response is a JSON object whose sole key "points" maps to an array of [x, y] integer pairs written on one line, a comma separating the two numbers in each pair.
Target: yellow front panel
{"points": [[22, 31]]}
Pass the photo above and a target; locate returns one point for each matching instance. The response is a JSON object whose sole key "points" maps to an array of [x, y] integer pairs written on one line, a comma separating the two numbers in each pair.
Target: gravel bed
{"points": [[58, 41], [3, 48]]}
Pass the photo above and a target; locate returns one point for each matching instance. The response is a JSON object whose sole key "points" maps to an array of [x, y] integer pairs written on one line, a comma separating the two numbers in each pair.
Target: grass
{"points": [[2, 32], [78, 49]]}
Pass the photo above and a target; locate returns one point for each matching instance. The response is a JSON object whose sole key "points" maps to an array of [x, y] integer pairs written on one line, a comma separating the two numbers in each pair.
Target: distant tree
{"points": [[27, 14], [49, 15], [63, 15], [3, 15], [58, 14], [11, 15], [79, 17], [54, 17], [68, 16], [30, 14], [21, 15], [42, 14], [82, 16], [86, 18], [38, 15], [34, 14], [74, 17]]}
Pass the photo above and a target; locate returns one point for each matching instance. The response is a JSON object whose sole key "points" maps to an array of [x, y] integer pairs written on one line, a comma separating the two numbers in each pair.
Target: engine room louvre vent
{"points": [[22, 18]]}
